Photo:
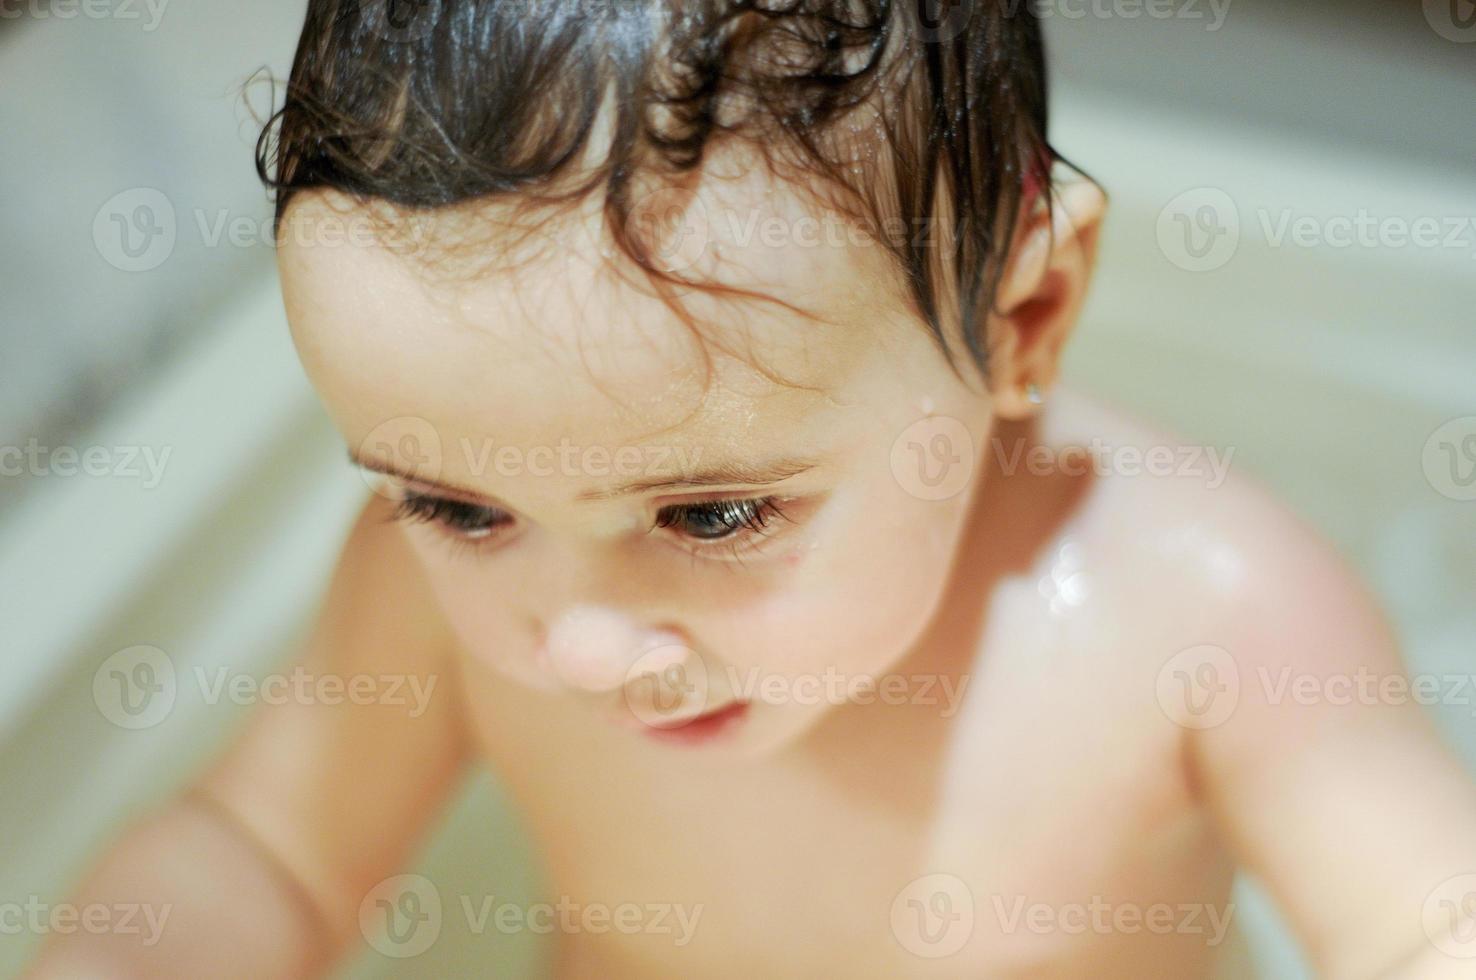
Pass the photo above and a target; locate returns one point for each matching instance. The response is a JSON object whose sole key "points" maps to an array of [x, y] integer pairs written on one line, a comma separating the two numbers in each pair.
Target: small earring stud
{"points": [[1032, 393]]}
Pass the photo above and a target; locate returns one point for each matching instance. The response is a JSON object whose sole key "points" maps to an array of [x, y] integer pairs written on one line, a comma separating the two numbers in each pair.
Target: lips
{"points": [[702, 728]]}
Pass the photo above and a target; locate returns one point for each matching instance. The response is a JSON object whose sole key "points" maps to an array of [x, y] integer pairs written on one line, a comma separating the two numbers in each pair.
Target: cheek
{"points": [[858, 602], [490, 631]]}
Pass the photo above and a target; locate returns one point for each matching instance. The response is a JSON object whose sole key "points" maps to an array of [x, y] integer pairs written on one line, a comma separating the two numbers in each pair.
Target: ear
{"points": [[1041, 293]]}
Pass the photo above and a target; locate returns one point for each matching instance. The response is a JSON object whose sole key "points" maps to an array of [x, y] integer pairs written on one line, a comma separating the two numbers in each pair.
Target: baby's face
{"points": [[610, 509]]}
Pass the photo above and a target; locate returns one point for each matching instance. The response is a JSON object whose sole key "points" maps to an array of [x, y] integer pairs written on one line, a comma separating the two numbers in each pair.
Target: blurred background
{"points": [[1289, 271]]}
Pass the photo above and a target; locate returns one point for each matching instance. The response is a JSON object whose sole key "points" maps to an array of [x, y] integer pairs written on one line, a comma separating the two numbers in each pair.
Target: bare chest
{"points": [[903, 847]]}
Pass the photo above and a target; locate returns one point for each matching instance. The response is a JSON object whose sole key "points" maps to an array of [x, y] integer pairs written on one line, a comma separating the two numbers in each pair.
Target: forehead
{"points": [[537, 331]]}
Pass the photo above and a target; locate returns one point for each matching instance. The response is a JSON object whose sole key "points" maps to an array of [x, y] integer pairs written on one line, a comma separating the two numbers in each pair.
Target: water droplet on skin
{"points": [[1064, 586], [1074, 589]]}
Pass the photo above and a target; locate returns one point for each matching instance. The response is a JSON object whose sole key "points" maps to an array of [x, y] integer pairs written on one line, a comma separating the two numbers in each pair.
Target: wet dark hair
{"points": [[430, 104]]}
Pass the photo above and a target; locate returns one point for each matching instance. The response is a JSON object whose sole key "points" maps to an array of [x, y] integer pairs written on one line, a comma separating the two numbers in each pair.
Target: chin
{"points": [[783, 729]]}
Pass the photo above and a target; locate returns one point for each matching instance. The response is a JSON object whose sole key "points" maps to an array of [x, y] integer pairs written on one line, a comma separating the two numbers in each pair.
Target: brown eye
{"points": [[718, 519]]}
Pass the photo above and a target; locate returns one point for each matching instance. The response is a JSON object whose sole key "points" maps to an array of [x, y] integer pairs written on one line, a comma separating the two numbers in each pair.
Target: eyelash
{"points": [[471, 522], [744, 522]]}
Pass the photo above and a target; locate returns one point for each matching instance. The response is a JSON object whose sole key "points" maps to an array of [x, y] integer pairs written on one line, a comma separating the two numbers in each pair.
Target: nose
{"points": [[596, 648]]}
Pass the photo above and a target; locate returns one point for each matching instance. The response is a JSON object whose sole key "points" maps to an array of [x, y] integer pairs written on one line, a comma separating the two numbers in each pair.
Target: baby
{"points": [[705, 356]]}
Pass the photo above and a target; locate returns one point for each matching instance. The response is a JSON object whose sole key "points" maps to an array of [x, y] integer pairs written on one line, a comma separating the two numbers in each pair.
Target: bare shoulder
{"points": [[1285, 697], [338, 781], [1178, 592], [1172, 577], [1183, 521]]}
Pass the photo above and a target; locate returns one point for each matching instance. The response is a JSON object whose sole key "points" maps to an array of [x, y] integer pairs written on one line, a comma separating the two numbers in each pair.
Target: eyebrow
{"points": [[723, 474], [390, 469]]}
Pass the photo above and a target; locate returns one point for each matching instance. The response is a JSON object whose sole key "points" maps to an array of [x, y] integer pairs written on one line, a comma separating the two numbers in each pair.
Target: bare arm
{"points": [[1330, 781], [263, 863]]}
